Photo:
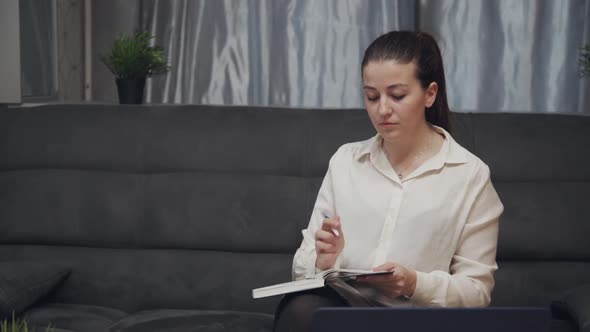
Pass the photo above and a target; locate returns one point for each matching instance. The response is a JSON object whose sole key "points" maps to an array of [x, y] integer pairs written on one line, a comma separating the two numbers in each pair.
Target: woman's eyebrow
{"points": [[397, 85], [393, 86]]}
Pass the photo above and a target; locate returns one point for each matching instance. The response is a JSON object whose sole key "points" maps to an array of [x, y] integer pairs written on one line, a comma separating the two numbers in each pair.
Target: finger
{"points": [[385, 267], [325, 236], [330, 223], [325, 248], [338, 229], [377, 279]]}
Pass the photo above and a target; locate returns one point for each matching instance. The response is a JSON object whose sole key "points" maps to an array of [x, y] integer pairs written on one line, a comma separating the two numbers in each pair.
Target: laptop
{"points": [[505, 319]]}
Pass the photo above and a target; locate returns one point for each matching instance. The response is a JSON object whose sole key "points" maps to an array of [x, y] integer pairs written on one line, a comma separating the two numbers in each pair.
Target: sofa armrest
{"points": [[575, 305]]}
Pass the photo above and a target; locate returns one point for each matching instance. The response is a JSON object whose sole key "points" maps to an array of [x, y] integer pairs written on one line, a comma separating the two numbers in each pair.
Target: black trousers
{"points": [[295, 311]]}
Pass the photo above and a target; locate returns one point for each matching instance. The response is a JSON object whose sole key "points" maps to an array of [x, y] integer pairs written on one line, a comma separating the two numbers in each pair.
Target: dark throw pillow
{"points": [[24, 283], [574, 305]]}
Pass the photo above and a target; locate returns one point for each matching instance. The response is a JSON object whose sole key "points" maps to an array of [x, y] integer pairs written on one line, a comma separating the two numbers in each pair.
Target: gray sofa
{"points": [[164, 218]]}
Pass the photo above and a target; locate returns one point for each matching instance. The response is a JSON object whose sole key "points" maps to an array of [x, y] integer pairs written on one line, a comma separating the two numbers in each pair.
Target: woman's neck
{"points": [[409, 146]]}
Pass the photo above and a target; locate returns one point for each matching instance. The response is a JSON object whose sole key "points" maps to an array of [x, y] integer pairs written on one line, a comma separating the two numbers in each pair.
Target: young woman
{"points": [[409, 200]]}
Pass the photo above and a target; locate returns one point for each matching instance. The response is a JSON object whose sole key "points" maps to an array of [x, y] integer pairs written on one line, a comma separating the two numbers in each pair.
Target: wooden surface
{"points": [[70, 34]]}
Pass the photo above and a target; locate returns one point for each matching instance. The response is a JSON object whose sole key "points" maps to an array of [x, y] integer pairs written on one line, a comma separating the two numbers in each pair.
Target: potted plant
{"points": [[132, 60], [18, 325], [585, 60]]}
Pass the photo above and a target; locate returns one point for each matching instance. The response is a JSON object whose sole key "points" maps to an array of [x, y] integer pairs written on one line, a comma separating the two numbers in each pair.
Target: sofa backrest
{"points": [[194, 206], [541, 169]]}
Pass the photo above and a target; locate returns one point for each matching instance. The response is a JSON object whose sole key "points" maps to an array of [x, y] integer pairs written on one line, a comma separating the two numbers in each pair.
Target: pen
{"points": [[335, 231]]}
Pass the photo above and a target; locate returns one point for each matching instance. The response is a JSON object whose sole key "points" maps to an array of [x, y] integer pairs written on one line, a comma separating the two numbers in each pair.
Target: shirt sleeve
{"points": [[305, 256], [471, 278]]}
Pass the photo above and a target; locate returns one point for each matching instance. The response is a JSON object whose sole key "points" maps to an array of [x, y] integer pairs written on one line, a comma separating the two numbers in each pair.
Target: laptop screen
{"points": [[505, 319]]}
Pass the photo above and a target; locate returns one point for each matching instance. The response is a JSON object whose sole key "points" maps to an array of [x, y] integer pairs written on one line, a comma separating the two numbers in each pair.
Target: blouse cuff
{"points": [[424, 288], [336, 265]]}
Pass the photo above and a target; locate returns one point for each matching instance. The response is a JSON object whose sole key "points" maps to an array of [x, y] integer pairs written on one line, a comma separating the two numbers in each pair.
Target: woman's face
{"points": [[394, 98]]}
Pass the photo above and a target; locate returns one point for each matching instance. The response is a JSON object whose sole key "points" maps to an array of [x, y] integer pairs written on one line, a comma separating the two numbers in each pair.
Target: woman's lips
{"points": [[387, 124]]}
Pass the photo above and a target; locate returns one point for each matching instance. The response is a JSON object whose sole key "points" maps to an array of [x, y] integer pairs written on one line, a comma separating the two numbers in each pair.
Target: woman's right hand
{"points": [[329, 242]]}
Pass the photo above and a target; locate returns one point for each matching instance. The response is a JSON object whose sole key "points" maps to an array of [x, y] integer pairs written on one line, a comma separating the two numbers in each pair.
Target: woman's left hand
{"points": [[402, 282]]}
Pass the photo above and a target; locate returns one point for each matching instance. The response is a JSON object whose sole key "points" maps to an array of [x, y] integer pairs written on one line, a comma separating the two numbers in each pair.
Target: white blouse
{"points": [[441, 220]]}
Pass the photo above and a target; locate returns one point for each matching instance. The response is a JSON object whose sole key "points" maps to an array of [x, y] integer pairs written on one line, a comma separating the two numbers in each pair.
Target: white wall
{"points": [[10, 82]]}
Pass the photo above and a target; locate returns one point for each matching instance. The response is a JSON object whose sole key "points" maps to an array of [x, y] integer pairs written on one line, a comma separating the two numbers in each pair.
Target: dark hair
{"points": [[420, 47]]}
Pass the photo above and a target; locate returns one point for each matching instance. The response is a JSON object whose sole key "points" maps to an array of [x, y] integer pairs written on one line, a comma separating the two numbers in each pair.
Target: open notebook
{"points": [[310, 283]]}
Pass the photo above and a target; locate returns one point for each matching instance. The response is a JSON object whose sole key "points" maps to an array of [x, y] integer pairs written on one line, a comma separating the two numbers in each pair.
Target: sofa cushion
{"points": [[562, 325], [574, 305], [72, 317], [194, 321], [24, 283]]}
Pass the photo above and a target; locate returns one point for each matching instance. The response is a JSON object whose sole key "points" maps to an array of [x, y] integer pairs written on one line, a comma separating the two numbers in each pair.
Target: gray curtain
{"points": [[500, 55], [267, 52], [511, 55]]}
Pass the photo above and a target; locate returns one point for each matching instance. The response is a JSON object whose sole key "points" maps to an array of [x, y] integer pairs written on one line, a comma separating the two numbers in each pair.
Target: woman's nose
{"points": [[385, 107]]}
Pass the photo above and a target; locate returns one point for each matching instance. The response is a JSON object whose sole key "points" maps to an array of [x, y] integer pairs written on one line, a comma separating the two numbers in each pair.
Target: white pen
{"points": [[335, 231]]}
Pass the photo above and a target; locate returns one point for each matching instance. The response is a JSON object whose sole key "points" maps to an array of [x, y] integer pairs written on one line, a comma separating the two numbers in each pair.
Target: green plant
{"points": [[18, 325], [132, 57], [585, 60]]}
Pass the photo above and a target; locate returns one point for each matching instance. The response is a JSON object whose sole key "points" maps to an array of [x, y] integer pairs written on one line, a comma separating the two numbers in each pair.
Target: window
{"points": [[38, 51]]}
